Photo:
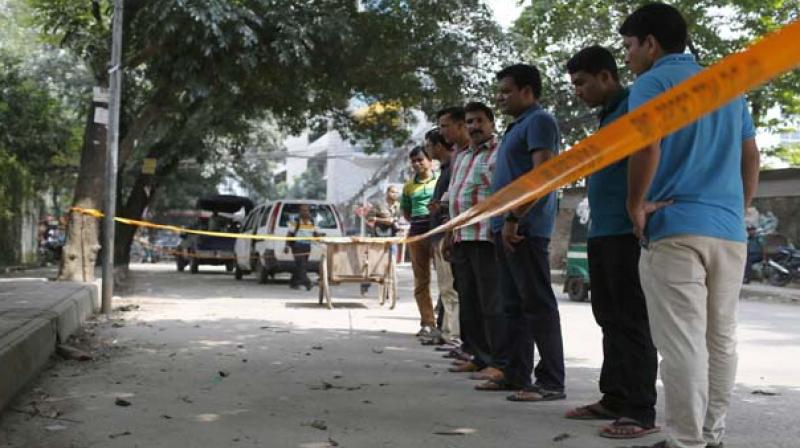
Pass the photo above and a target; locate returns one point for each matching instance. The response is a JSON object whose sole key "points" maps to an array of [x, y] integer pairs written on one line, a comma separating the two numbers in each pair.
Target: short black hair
{"points": [[436, 137], [593, 60], [524, 75], [664, 22], [419, 150], [455, 113], [477, 106]]}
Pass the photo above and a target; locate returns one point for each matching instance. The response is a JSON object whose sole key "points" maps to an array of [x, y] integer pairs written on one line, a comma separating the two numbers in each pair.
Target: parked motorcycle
{"points": [[784, 267]]}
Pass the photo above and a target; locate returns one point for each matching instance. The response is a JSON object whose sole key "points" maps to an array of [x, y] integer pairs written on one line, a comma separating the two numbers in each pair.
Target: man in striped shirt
{"points": [[473, 254]]}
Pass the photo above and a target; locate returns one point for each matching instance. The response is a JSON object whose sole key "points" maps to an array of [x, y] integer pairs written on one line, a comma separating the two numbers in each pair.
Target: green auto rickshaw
{"points": [[576, 281]]}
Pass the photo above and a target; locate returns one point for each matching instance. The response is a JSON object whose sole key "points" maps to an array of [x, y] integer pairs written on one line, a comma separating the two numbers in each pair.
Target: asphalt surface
{"points": [[206, 361]]}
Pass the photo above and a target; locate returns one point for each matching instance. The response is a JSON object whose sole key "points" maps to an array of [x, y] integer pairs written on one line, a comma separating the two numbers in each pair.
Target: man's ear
{"points": [[653, 47]]}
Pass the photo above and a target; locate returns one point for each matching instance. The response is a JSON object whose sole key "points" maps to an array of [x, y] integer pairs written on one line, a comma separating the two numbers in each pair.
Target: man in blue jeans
{"points": [[521, 240]]}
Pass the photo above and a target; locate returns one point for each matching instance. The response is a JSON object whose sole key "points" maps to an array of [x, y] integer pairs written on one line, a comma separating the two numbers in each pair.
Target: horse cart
{"points": [[355, 260]]}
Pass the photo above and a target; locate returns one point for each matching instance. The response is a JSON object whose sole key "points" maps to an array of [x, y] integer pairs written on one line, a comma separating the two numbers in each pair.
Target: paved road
{"points": [[207, 361]]}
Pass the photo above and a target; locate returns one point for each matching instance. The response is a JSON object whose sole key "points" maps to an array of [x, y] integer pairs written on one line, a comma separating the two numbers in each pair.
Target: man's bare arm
{"points": [[642, 168], [751, 163]]}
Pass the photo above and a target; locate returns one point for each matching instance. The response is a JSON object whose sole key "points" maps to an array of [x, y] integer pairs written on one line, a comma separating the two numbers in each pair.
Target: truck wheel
{"points": [[195, 266], [577, 289]]}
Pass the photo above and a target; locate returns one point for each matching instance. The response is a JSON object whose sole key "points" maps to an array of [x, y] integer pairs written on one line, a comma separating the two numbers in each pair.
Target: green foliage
{"points": [[37, 132], [789, 154], [549, 33]]}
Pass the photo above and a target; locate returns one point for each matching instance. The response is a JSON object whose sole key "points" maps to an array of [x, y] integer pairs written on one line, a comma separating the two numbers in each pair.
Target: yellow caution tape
{"points": [[322, 239], [672, 110]]}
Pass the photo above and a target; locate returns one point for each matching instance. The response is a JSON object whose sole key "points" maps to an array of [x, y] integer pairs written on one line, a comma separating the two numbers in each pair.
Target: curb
{"points": [[25, 350], [756, 292]]}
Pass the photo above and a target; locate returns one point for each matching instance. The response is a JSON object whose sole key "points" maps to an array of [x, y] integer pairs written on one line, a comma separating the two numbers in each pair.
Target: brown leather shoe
{"points": [[488, 374], [464, 368]]}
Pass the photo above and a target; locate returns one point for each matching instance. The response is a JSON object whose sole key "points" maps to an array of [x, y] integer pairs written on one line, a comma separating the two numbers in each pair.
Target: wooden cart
{"points": [[358, 261]]}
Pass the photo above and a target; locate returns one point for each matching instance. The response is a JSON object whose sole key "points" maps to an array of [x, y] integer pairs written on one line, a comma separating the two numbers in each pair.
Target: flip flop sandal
{"points": [[535, 396], [631, 429], [594, 411], [490, 386]]}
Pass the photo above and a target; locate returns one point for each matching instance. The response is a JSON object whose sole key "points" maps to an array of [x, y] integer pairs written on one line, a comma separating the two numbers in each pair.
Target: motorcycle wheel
{"points": [[778, 278]]}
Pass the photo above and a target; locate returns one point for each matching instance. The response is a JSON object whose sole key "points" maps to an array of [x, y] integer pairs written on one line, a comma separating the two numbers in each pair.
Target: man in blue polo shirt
{"points": [[695, 250], [521, 241], [630, 364]]}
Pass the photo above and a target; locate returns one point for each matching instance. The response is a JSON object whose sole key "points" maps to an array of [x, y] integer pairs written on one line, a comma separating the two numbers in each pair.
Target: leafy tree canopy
{"points": [[550, 32]]}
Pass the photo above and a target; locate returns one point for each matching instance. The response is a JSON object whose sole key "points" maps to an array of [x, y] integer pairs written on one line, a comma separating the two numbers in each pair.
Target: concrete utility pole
{"points": [[112, 147]]}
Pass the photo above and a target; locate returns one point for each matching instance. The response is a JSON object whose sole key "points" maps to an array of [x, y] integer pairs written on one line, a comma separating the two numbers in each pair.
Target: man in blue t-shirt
{"points": [[687, 195], [630, 364], [521, 241]]}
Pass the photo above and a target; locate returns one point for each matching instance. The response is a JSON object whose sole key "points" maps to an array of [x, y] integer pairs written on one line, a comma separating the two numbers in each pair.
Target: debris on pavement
{"points": [[55, 427], [316, 347], [127, 308], [122, 402], [455, 432], [316, 424], [324, 385], [73, 353], [121, 434], [377, 350], [224, 373], [561, 437], [767, 393]]}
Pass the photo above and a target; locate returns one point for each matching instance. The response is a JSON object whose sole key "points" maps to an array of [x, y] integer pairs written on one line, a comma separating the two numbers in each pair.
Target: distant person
{"points": [[215, 223], [630, 364], [687, 195], [417, 193], [303, 227], [755, 252], [382, 221]]}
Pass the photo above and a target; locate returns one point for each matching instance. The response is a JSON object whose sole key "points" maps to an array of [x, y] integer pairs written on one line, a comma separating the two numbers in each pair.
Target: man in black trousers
{"points": [[628, 375]]}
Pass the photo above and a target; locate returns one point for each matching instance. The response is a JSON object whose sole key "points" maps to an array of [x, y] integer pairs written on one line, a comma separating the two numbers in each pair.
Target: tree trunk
{"points": [[83, 233], [134, 208], [138, 200]]}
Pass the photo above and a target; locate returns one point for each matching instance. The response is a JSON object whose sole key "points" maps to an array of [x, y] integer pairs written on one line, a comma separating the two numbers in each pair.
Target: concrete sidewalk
{"points": [[36, 314]]}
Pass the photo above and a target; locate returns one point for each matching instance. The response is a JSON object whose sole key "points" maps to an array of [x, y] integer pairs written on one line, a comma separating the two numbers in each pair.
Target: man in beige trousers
{"points": [[687, 195]]}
